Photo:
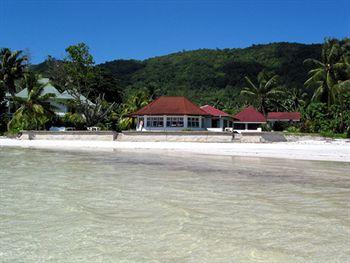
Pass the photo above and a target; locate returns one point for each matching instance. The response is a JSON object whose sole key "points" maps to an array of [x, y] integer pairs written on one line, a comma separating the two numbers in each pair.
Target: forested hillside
{"points": [[313, 79], [208, 75]]}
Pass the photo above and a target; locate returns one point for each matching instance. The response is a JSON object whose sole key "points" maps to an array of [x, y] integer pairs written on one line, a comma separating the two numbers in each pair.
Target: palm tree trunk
{"points": [[10, 87]]}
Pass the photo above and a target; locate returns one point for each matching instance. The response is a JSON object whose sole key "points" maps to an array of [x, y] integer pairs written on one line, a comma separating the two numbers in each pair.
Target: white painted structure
{"points": [[170, 123]]}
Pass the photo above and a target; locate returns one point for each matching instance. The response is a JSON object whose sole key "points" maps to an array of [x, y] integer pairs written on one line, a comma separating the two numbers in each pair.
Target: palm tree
{"points": [[133, 104], [35, 110], [295, 99], [261, 94], [328, 73], [12, 67]]}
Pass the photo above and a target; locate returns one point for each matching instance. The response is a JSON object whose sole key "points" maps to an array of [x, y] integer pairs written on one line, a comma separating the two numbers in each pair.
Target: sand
{"points": [[302, 150]]}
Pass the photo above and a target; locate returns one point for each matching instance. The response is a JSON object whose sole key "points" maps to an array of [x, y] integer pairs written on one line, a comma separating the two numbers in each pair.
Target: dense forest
{"points": [[206, 75], [313, 79]]}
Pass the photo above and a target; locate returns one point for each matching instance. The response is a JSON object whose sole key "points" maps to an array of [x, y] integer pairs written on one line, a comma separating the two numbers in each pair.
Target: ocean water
{"points": [[64, 206]]}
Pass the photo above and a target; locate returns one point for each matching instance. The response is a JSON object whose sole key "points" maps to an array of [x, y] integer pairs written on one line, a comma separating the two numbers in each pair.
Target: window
{"points": [[175, 122], [193, 122], [239, 126], [253, 126], [215, 123], [155, 122]]}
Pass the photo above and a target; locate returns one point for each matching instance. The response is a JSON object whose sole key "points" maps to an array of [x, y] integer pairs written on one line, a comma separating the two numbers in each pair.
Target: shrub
{"points": [[265, 127], [74, 119], [293, 129]]}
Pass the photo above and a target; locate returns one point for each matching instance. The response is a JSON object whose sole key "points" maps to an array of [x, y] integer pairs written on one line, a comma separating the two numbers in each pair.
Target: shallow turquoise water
{"points": [[61, 206]]}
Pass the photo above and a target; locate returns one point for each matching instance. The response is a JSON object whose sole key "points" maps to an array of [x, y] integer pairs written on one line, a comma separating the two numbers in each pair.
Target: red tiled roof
{"points": [[250, 114], [295, 116], [214, 111], [167, 105]]}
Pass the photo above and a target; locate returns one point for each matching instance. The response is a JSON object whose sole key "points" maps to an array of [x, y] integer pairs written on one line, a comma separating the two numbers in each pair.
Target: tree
{"points": [[134, 103], [292, 99], [12, 67], [264, 91], [328, 74], [84, 82], [35, 110]]}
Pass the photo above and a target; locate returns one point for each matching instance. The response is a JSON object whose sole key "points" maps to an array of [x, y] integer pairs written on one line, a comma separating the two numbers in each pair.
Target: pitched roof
{"points": [[167, 105], [48, 88], [296, 116], [214, 111], [250, 114]]}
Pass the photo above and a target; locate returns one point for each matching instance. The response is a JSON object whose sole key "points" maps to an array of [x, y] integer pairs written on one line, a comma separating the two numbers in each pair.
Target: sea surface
{"points": [[66, 206]]}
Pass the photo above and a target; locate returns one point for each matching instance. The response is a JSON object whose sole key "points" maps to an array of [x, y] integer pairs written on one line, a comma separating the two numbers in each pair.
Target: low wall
{"points": [[260, 137], [69, 135], [192, 136]]}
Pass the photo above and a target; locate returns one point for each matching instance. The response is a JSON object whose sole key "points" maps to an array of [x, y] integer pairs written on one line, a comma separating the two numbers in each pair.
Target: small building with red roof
{"points": [[284, 116], [248, 120], [219, 120]]}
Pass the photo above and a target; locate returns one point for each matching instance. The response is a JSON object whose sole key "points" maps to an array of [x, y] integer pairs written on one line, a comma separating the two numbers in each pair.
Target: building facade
{"points": [[170, 114], [248, 120]]}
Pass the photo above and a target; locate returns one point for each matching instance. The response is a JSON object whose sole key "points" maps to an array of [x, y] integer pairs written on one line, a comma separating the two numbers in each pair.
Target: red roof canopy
{"points": [[167, 105], [295, 116], [250, 114], [214, 111]]}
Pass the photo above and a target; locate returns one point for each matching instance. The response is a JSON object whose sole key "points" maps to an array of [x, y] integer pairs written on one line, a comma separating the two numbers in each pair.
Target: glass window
{"points": [[215, 123], [155, 122], [239, 126], [253, 126], [193, 122], [175, 122]]}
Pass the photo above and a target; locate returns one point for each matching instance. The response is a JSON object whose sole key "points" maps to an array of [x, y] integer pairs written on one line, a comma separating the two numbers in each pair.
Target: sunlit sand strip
{"points": [[325, 151]]}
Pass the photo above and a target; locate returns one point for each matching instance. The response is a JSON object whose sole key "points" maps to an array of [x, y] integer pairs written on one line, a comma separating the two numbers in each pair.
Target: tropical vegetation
{"points": [[313, 79], [34, 111]]}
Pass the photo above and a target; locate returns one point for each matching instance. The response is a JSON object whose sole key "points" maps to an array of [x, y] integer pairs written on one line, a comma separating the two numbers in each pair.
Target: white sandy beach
{"points": [[303, 150]]}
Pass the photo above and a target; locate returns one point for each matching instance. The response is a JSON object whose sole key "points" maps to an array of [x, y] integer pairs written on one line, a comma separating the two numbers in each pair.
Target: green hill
{"points": [[208, 74]]}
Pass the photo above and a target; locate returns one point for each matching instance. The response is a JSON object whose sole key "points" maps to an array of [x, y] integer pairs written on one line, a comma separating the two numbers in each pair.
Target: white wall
{"points": [[60, 109], [205, 124], [185, 127]]}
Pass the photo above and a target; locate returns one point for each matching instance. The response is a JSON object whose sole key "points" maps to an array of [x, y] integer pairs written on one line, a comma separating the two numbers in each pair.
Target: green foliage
{"points": [[293, 129], [264, 92], [33, 112], [74, 120], [12, 68], [134, 102], [266, 127], [205, 75], [217, 77], [329, 72]]}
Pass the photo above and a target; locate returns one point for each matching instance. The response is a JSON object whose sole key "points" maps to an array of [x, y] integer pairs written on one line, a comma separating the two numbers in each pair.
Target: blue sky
{"points": [[141, 29]]}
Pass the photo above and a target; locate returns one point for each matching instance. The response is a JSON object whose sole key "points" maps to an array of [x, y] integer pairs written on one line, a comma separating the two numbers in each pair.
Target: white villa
{"points": [[170, 114], [180, 114], [59, 101]]}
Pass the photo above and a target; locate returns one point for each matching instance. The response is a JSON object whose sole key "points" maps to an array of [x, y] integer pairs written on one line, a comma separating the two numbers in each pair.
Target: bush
{"points": [[74, 120], [293, 129], [265, 127]]}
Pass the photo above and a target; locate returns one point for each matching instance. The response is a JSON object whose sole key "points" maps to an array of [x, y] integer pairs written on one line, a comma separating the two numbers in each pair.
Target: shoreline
{"points": [[338, 151]]}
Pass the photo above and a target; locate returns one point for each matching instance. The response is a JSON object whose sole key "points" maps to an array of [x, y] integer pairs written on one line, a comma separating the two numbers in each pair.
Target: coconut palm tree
{"points": [[134, 103], [263, 92], [294, 99], [35, 110], [12, 67], [329, 72]]}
